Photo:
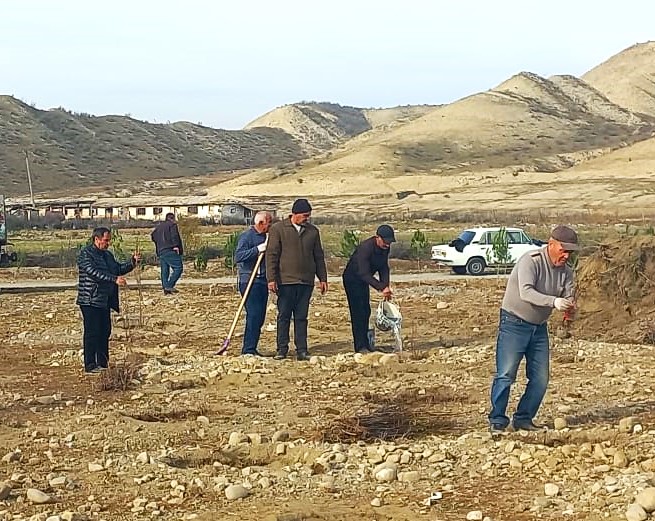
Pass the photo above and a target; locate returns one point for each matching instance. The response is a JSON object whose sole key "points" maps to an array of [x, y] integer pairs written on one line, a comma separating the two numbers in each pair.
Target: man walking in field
{"points": [[540, 282], [169, 249], [294, 258]]}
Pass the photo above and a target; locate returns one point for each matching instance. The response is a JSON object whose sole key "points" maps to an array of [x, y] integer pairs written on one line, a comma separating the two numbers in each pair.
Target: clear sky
{"points": [[226, 62]]}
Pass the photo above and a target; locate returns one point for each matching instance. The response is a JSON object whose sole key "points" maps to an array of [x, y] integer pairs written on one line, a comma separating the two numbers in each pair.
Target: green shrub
{"points": [[348, 243], [230, 248]]}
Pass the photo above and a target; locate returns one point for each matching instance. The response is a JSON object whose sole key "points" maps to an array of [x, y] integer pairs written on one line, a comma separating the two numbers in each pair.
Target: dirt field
{"points": [[191, 424]]}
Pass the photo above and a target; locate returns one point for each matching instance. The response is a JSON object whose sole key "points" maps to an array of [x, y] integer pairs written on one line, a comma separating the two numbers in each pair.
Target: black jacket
{"points": [[166, 236], [98, 272], [368, 259]]}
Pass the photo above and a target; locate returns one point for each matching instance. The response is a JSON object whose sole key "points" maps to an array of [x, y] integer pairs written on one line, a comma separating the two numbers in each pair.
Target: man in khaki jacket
{"points": [[294, 257]]}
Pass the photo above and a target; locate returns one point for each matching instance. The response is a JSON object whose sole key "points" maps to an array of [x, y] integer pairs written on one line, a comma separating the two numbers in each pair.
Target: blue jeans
{"points": [[517, 339], [171, 269], [256, 302]]}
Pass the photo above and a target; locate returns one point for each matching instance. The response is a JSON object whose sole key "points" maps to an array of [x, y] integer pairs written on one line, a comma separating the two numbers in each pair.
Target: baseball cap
{"points": [[566, 236], [385, 232]]}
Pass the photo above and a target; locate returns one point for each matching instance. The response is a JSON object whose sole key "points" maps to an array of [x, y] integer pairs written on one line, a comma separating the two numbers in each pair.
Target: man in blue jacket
{"points": [[250, 246], [97, 294]]}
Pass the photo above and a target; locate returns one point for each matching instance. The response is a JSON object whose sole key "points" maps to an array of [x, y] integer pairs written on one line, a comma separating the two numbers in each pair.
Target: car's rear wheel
{"points": [[459, 270], [476, 266]]}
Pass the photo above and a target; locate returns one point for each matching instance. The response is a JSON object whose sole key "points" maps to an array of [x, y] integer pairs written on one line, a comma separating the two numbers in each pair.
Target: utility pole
{"points": [[29, 178]]}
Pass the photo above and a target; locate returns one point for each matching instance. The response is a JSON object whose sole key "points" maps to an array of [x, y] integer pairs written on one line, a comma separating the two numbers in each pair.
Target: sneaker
{"points": [[168, 292], [497, 430], [302, 356], [279, 356], [528, 426], [362, 350], [91, 370]]}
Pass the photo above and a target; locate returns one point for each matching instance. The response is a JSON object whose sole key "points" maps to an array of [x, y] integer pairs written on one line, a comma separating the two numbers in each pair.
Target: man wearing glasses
{"points": [[540, 282]]}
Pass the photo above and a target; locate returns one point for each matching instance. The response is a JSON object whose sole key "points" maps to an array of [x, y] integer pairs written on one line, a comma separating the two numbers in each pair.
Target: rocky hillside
{"points": [[74, 150], [322, 126], [628, 78]]}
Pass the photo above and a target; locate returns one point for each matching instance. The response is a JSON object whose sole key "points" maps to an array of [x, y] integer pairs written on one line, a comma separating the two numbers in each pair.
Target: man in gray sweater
{"points": [[540, 282]]}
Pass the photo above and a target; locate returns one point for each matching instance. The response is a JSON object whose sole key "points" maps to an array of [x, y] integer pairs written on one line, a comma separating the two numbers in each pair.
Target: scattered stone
{"points": [[386, 475], [636, 513], [5, 490], [560, 423], [626, 424], [280, 436], [474, 515], [96, 467], [646, 499], [236, 492], [551, 490], [376, 502], [36, 496]]}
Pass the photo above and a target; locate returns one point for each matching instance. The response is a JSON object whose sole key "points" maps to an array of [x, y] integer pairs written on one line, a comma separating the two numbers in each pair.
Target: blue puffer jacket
{"points": [[98, 272]]}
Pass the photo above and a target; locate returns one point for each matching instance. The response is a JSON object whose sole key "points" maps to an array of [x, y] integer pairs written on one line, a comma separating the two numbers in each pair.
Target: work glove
{"points": [[262, 247], [562, 304]]}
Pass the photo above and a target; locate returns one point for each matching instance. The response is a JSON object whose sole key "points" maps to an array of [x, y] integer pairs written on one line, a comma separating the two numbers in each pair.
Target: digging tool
{"points": [[226, 344]]}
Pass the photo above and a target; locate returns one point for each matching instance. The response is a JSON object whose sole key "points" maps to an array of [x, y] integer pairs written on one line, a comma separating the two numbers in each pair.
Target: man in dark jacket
{"points": [[294, 257], [97, 294], [168, 246], [371, 256], [250, 246]]}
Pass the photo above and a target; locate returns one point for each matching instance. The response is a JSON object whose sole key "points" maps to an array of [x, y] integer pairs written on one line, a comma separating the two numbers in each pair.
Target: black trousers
{"points": [[292, 299], [359, 304], [97, 329]]}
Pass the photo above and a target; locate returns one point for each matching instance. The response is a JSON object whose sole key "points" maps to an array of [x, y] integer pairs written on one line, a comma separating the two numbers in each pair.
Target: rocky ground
{"points": [[197, 436]]}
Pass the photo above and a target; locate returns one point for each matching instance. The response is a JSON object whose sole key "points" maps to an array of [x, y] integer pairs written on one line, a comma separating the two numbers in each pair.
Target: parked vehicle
{"points": [[472, 251]]}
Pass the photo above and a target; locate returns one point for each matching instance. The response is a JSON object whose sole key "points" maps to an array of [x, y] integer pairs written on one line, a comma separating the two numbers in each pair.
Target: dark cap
{"points": [[385, 232], [566, 236], [301, 206]]}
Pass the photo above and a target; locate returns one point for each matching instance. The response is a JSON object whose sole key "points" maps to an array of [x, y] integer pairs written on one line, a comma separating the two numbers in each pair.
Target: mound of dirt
{"points": [[616, 292]]}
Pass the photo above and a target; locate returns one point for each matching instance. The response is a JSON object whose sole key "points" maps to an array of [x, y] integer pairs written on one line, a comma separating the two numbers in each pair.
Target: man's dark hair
{"points": [[170, 216], [99, 232]]}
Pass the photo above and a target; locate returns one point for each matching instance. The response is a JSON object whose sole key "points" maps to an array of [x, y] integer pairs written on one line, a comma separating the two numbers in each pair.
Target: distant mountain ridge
{"points": [[526, 123]]}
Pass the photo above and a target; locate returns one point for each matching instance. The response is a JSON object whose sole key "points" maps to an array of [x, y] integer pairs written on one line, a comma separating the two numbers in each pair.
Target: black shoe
{"points": [[279, 356], [168, 292], [361, 350], [371, 349], [497, 430], [302, 356], [91, 370], [528, 426]]}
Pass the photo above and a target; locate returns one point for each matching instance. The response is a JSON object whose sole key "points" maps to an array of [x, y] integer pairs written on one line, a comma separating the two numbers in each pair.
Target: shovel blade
{"points": [[223, 349]]}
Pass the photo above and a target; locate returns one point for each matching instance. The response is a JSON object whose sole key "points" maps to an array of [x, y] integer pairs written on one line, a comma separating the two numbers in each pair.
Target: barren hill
{"points": [[322, 126], [628, 78], [72, 150], [514, 137]]}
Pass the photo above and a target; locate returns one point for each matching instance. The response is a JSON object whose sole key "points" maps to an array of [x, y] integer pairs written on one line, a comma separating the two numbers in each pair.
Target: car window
{"points": [[525, 238], [515, 237], [487, 238], [466, 236]]}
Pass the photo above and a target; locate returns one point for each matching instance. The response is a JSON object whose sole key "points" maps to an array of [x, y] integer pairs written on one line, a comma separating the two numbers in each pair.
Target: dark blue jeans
{"points": [[171, 268], [292, 299], [517, 339], [256, 302]]}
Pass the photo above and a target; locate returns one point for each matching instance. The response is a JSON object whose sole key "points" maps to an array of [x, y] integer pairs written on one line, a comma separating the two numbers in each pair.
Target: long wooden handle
{"points": [[245, 295]]}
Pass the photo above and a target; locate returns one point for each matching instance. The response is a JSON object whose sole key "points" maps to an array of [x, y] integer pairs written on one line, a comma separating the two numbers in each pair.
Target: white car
{"points": [[472, 251]]}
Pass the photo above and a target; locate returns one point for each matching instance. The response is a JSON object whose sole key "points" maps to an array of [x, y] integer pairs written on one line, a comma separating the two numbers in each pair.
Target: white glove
{"points": [[261, 247], [562, 304]]}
